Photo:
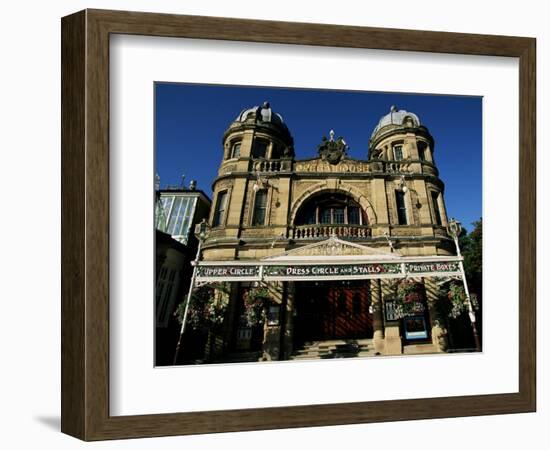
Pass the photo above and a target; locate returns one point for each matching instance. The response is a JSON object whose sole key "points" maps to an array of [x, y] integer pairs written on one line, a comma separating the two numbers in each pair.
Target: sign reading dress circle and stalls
{"points": [[259, 270], [330, 271]]}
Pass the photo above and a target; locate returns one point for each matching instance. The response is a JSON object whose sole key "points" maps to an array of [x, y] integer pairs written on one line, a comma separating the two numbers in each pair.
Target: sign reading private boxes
{"points": [[254, 272], [432, 267]]}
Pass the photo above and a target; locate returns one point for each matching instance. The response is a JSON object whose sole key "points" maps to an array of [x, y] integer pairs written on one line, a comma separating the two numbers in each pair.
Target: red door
{"points": [[350, 316], [335, 310]]}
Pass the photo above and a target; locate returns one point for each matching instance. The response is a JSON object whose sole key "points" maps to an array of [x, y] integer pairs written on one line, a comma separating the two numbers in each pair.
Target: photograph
{"points": [[298, 224]]}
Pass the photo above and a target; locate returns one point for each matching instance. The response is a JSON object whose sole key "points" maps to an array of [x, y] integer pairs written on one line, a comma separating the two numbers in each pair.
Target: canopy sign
{"points": [[269, 271]]}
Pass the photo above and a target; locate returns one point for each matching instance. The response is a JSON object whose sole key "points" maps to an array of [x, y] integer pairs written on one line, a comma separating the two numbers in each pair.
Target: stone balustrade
{"points": [[272, 165], [326, 231], [398, 166]]}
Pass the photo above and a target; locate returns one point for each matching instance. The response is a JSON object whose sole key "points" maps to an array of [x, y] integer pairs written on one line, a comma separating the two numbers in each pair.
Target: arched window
{"points": [[331, 209]]}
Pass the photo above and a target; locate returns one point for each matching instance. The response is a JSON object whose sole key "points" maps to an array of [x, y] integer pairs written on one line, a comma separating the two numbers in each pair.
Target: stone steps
{"points": [[239, 357], [419, 349], [350, 348]]}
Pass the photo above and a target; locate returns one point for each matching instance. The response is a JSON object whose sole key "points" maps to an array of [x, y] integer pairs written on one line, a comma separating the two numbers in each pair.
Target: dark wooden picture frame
{"points": [[85, 224]]}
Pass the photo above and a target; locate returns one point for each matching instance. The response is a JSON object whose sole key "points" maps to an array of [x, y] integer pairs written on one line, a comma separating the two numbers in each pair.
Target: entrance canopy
{"points": [[332, 259]]}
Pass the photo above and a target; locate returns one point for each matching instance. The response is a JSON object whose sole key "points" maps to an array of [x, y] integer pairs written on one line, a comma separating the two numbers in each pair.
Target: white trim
{"points": [[329, 260]]}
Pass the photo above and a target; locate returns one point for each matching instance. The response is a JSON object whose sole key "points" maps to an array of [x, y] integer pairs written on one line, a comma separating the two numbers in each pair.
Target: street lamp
{"points": [[201, 232], [454, 228]]}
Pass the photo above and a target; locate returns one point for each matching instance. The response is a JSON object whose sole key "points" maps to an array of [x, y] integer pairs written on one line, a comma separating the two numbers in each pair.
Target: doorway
{"points": [[332, 310]]}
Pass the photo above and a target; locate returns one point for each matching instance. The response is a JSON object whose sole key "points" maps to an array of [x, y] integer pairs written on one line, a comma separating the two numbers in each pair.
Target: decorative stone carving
{"points": [[334, 246], [332, 150]]}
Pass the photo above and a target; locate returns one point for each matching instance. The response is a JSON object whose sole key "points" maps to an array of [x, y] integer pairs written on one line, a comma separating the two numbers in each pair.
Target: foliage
{"points": [[472, 249], [471, 246], [256, 300], [207, 307], [408, 298], [452, 302], [456, 296]]}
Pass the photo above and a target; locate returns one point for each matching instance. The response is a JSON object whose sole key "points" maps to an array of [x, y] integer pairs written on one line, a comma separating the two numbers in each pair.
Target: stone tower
{"points": [[255, 171], [402, 149]]}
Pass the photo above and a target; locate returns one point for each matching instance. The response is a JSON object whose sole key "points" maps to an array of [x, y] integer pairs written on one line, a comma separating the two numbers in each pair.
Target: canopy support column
{"points": [[392, 340], [377, 319], [439, 330]]}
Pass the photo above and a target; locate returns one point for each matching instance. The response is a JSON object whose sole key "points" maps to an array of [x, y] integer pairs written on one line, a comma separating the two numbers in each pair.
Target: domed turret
{"points": [[400, 136], [258, 133], [262, 114], [395, 119], [263, 118]]}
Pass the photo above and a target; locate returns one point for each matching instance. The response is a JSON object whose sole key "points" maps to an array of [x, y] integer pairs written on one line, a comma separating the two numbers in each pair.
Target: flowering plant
{"points": [[256, 300], [457, 298], [207, 307], [459, 301], [407, 298]]}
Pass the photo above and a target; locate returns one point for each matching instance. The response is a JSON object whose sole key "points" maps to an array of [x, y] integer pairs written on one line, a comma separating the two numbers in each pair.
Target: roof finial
{"points": [[331, 133]]}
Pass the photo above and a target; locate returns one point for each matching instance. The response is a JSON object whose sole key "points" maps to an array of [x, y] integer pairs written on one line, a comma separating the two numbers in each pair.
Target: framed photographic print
{"points": [[271, 225]]}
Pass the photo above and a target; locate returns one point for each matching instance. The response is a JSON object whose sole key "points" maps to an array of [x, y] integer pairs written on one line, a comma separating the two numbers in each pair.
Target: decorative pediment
{"points": [[334, 247]]}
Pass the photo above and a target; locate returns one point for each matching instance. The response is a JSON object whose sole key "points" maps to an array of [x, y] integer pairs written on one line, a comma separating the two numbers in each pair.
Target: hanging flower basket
{"points": [[458, 300], [256, 301], [207, 307], [408, 298]]}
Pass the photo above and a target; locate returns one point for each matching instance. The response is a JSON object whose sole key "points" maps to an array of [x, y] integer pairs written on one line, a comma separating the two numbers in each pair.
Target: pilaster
{"points": [[439, 330]]}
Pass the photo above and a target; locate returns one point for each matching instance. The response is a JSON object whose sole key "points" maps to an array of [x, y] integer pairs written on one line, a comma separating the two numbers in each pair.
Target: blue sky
{"points": [[190, 120]]}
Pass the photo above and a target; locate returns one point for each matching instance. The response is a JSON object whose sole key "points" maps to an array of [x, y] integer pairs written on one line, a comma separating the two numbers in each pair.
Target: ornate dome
{"points": [[262, 113], [397, 118], [265, 118]]}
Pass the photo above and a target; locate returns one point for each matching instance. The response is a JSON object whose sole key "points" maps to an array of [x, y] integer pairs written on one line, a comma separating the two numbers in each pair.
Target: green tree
{"points": [[472, 249]]}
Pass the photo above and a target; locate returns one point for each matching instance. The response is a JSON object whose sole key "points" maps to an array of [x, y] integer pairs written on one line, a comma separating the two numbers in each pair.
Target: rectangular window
{"points": [[398, 152], [310, 216], [401, 207], [421, 151], [236, 150], [353, 215], [181, 215], [174, 216], [259, 149], [324, 215], [338, 214], [220, 209], [260, 207], [437, 212]]}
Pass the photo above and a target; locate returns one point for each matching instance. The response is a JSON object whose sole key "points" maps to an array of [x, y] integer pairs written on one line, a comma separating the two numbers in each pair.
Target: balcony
{"points": [[272, 165], [326, 231]]}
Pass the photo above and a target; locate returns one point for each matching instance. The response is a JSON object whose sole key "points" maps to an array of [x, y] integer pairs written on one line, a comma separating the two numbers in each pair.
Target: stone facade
{"points": [[267, 201]]}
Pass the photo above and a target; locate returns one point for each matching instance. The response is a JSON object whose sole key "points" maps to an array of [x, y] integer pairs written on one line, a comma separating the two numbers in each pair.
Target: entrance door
{"points": [[335, 310]]}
